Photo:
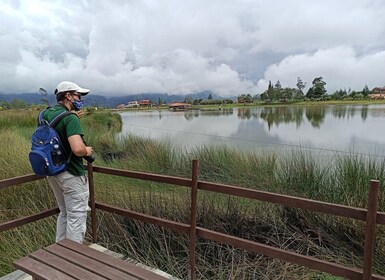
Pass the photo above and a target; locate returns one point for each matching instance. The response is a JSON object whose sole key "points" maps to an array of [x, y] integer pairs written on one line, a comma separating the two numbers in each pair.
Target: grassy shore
{"points": [[292, 172], [273, 104]]}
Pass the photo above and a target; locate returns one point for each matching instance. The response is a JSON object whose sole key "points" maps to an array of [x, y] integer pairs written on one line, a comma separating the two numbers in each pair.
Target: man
{"points": [[70, 187]]}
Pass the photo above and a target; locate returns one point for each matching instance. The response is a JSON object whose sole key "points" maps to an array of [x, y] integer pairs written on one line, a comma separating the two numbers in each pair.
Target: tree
{"points": [[241, 98], [278, 90], [339, 94], [287, 93], [44, 93], [197, 101], [278, 85], [18, 104], [310, 93], [188, 100], [227, 101], [300, 85], [210, 97], [270, 91], [358, 96], [318, 87], [366, 91], [245, 98], [264, 96], [4, 104], [249, 98]]}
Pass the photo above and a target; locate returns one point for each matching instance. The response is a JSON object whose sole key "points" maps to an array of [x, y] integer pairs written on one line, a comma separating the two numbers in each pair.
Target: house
{"points": [[379, 90], [145, 103], [378, 93], [132, 104], [179, 106]]}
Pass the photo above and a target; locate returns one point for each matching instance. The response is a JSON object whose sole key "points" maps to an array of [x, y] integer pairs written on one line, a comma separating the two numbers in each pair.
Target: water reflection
{"points": [[190, 115], [347, 128], [277, 115], [315, 115]]}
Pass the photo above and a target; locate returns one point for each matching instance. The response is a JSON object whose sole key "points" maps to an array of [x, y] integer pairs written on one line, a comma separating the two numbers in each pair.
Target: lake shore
{"points": [[264, 104]]}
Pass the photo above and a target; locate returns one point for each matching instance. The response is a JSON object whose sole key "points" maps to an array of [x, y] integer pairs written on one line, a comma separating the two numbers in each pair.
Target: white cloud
{"points": [[340, 67], [228, 47]]}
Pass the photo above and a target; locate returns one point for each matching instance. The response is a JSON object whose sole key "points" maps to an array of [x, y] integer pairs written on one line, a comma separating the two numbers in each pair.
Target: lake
{"points": [[323, 129]]}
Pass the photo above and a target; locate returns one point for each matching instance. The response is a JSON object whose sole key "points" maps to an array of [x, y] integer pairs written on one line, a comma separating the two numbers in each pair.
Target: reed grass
{"points": [[18, 118], [344, 181]]}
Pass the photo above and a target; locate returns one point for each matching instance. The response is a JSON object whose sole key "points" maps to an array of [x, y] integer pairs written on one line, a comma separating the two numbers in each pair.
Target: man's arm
{"points": [[78, 147]]}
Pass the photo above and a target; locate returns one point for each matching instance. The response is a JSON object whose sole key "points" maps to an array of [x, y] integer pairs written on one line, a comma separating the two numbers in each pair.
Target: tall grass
{"points": [[23, 200], [345, 181], [18, 118]]}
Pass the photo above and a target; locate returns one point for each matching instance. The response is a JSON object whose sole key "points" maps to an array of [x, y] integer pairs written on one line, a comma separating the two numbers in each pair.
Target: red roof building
{"points": [[378, 90], [378, 93], [145, 103], [179, 106]]}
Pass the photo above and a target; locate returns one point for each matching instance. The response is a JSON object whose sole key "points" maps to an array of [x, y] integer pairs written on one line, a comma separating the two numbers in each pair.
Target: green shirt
{"points": [[68, 126]]}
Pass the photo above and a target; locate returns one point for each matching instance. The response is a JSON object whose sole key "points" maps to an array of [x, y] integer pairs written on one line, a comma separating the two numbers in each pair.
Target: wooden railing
{"points": [[370, 215]]}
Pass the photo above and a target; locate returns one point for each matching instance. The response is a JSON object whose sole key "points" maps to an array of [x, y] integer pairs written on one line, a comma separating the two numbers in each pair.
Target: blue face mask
{"points": [[78, 105]]}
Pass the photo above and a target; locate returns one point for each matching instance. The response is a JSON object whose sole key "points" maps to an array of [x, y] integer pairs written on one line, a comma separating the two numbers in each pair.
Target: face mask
{"points": [[78, 104]]}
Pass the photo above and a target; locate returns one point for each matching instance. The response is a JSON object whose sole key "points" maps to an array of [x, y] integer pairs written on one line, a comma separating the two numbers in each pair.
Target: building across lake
{"points": [[179, 106], [378, 93]]}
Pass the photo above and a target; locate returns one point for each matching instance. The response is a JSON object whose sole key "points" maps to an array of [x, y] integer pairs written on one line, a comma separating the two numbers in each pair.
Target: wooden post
{"points": [[193, 224], [370, 229], [92, 201]]}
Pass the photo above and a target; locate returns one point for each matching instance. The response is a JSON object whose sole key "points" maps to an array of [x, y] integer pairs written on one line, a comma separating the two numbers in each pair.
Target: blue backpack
{"points": [[46, 155]]}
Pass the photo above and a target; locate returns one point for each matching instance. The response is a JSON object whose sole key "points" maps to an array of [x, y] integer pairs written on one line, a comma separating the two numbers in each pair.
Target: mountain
{"points": [[108, 102]]}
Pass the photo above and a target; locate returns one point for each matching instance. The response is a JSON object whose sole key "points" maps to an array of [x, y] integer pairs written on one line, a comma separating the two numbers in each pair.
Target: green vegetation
{"points": [[316, 92], [296, 172], [277, 94]]}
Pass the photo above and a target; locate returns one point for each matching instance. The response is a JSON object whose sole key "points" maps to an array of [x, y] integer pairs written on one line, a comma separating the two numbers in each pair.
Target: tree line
{"points": [[317, 91], [277, 93]]}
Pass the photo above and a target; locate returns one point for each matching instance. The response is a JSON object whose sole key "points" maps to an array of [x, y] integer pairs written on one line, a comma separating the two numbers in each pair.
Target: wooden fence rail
{"points": [[370, 215]]}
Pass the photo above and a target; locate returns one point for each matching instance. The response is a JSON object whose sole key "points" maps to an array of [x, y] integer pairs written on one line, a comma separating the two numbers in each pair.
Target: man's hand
{"points": [[89, 151], [78, 113]]}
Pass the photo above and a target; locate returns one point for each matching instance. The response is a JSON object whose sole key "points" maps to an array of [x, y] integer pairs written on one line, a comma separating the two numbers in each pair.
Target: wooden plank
{"points": [[292, 201], [380, 218], [127, 267], [93, 265], [25, 220], [169, 224], [178, 181], [40, 270], [64, 266], [19, 180]]}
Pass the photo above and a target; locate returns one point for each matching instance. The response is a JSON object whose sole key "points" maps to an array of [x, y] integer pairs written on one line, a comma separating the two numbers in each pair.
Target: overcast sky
{"points": [[119, 47]]}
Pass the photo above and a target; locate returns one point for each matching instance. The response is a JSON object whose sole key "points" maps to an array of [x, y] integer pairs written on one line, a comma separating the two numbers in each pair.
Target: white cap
{"points": [[70, 86]]}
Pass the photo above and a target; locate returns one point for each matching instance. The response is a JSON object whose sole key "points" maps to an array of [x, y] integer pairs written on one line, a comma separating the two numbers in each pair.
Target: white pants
{"points": [[71, 194]]}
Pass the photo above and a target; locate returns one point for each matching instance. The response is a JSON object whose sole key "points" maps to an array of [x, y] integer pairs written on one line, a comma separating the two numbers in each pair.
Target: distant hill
{"points": [[108, 102]]}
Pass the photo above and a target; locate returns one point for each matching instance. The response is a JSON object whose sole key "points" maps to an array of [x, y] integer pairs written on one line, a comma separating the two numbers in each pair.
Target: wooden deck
{"points": [[71, 260]]}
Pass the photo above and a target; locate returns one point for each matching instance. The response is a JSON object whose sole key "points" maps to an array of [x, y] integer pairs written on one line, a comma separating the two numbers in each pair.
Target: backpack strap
{"points": [[40, 118], [56, 120], [59, 117]]}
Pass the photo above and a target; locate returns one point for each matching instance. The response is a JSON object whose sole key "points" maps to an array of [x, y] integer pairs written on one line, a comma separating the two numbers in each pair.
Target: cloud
{"points": [[340, 67], [229, 47]]}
